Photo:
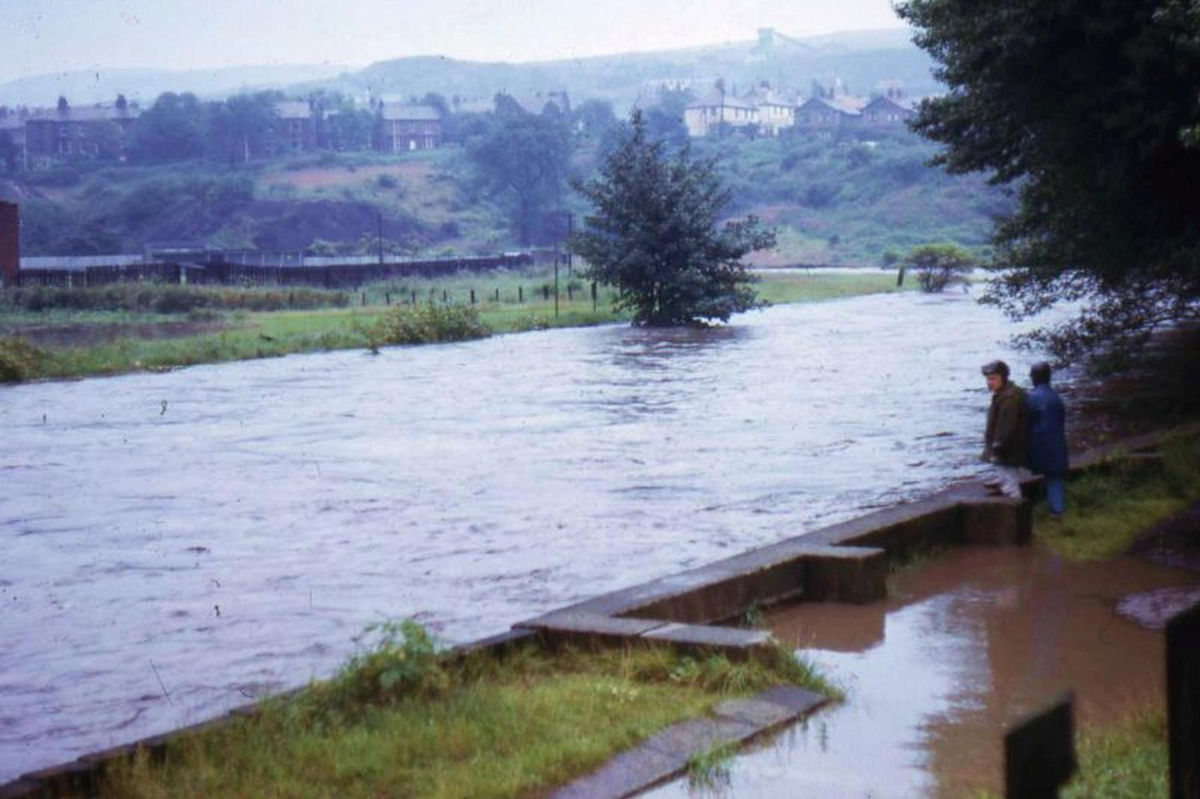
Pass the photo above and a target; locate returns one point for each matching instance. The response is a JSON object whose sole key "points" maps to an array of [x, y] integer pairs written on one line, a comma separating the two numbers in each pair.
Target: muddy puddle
{"points": [[968, 642]]}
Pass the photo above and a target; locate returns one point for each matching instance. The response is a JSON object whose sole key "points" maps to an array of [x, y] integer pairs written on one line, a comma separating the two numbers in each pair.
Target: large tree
{"points": [[1088, 109], [523, 158], [173, 129], [656, 234]]}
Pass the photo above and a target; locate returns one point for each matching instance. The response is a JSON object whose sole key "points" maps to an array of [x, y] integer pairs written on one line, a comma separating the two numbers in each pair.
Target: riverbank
{"points": [[485, 725], [62, 341]]}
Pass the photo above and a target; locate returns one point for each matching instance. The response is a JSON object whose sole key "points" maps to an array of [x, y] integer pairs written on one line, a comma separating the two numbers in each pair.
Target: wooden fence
{"points": [[337, 276]]}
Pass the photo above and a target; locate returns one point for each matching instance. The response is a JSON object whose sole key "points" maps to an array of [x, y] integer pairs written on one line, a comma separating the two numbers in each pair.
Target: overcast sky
{"points": [[48, 36]]}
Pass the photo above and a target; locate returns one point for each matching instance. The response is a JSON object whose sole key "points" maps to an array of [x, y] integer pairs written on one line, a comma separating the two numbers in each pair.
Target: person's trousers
{"points": [[1055, 485], [1009, 479]]}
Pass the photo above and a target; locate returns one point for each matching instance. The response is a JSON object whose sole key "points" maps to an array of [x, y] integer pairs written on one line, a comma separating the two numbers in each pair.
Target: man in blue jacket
{"points": [[1047, 436]]}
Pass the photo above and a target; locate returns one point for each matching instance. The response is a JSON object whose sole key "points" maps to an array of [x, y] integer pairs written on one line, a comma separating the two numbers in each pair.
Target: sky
{"points": [[39, 37]]}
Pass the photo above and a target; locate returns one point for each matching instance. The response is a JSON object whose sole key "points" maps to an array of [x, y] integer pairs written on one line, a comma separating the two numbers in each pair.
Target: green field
{"points": [[162, 340]]}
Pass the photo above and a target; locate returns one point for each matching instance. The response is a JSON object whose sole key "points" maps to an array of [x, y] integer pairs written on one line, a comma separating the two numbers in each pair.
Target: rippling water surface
{"points": [[175, 544]]}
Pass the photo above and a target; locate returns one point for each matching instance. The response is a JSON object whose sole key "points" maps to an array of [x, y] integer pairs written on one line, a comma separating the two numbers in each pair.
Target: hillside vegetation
{"points": [[832, 202]]}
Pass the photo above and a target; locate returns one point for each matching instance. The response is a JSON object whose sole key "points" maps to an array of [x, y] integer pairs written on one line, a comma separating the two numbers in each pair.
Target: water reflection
{"points": [[237, 525], [964, 645]]}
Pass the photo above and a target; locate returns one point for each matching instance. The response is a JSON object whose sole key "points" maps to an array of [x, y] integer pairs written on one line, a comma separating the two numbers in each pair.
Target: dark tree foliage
{"points": [[1089, 109], [524, 159], [239, 127], [593, 118], [655, 235], [173, 129]]}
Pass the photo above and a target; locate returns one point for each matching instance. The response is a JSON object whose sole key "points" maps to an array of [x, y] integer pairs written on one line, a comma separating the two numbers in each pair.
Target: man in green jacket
{"points": [[1007, 435]]}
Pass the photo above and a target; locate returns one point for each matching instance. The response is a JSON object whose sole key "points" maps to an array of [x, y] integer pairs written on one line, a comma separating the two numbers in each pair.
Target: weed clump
{"points": [[19, 360], [427, 324]]}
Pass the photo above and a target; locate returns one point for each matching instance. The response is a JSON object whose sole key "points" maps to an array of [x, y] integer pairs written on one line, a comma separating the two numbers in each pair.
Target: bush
{"points": [[821, 194], [427, 324], [939, 265], [404, 662], [19, 360]]}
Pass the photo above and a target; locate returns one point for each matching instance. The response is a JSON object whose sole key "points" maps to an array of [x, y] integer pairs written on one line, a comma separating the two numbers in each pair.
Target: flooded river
{"points": [[176, 544]]}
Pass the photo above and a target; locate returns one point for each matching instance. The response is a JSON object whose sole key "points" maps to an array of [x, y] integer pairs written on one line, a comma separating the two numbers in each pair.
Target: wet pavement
{"points": [[969, 641], [177, 544]]}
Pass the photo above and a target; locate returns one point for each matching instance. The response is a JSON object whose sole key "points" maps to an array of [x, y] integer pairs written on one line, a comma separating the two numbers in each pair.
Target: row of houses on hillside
{"points": [[42, 136], [66, 132], [769, 112]]}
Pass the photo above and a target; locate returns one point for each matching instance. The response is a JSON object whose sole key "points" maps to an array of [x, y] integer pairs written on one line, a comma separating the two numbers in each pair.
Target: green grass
{"points": [[1127, 760], [399, 722], [1108, 507], [261, 334]]}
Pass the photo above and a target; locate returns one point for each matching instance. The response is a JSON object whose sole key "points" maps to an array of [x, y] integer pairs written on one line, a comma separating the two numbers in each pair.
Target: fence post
{"points": [[593, 295], [414, 297], [472, 296], [556, 287], [1039, 753], [364, 298], [387, 298], [445, 296], [521, 294], [497, 295], [570, 292], [1183, 703]]}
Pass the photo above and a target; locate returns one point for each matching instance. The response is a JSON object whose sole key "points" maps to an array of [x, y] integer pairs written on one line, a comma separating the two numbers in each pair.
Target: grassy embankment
{"points": [[400, 721], [1109, 506], [264, 323]]}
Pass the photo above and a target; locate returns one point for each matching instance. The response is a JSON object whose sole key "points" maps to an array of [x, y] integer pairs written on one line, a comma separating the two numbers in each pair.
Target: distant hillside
{"points": [[859, 59], [86, 88]]}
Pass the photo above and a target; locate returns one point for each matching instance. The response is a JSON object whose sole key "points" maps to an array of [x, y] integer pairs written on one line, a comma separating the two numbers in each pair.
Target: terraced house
{"points": [[99, 131]]}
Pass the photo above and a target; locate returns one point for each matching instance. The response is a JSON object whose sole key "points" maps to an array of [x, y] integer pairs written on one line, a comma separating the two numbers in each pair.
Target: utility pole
{"points": [[379, 235], [570, 255]]}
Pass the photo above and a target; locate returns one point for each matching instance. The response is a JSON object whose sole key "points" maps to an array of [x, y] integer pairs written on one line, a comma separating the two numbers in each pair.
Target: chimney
{"points": [[10, 244]]}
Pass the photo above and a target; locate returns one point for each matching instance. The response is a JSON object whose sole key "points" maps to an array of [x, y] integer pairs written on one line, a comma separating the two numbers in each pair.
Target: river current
{"points": [[173, 545]]}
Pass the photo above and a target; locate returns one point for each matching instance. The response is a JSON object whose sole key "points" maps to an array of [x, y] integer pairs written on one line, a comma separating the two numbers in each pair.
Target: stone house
{"points": [[776, 110], [890, 108], [720, 111], [84, 132], [12, 131], [829, 113], [401, 127], [538, 103], [293, 128]]}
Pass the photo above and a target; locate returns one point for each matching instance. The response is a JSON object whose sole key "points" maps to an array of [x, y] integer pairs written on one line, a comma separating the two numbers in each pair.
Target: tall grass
{"points": [[1108, 507]]}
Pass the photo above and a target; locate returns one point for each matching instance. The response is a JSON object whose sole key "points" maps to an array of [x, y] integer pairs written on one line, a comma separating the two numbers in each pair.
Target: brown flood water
{"points": [[967, 642]]}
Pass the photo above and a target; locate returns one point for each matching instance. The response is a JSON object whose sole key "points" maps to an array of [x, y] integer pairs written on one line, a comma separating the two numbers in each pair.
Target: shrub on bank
{"points": [[19, 360], [427, 324]]}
